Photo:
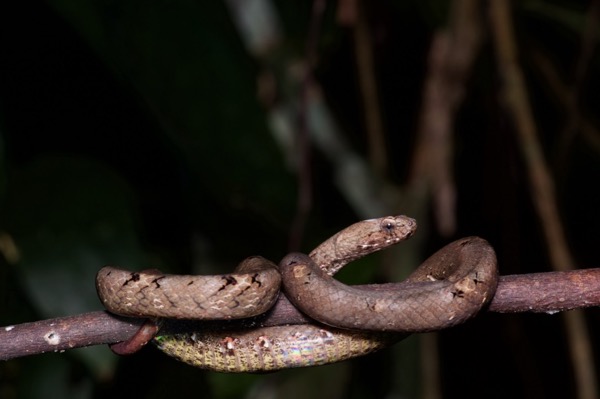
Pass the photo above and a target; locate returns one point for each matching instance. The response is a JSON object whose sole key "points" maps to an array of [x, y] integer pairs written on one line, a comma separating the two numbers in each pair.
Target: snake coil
{"points": [[448, 288]]}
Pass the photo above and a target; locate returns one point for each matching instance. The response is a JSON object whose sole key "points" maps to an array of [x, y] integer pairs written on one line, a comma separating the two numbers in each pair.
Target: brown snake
{"points": [[447, 289], [272, 348], [251, 290]]}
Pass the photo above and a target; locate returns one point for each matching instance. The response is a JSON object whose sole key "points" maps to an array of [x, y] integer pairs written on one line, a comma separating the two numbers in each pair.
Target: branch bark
{"points": [[538, 292]]}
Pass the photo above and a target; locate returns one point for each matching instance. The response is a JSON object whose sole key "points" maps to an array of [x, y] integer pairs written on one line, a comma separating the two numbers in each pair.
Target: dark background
{"points": [[131, 133]]}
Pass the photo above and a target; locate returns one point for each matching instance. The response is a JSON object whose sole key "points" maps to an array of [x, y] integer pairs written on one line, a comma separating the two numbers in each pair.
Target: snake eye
{"points": [[388, 225]]}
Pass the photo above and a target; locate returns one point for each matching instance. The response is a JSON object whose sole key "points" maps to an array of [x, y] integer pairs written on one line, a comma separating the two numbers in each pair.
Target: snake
{"points": [[322, 341], [447, 289], [251, 290]]}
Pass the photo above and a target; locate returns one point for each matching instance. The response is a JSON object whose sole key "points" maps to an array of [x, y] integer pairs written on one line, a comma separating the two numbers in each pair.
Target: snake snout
{"points": [[400, 226]]}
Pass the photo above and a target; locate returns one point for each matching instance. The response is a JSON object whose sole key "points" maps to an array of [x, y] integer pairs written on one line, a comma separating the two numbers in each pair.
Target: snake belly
{"points": [[271, 348], [447, 289], [302, 345]]}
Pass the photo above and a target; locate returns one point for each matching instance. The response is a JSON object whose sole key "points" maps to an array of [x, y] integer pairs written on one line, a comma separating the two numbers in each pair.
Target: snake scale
{"points": [[251, 290], [462, 275]]}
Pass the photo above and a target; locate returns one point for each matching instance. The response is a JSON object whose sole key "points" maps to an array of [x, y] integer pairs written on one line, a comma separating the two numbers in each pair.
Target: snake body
{"points": [[273, 348], [447, 289], [303, 345], [250, 291], [278, 347]]}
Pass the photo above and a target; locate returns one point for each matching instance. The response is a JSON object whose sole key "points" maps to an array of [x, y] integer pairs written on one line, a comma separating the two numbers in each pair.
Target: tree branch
{"points": [[60, 334], [538, 293]]}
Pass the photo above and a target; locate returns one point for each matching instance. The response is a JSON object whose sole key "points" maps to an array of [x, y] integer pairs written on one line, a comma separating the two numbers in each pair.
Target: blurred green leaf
{"points": [[54, 377], [191, 68], [570, 18], [69, 217]]}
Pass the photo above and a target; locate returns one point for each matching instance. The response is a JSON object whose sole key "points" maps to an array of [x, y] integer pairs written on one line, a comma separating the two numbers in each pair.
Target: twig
{"points": [[363, 49], [302, 133], [568, 96], [539, 292], [517, 102], [451, 57], [560, 91], [363, 190], [453, 50], [56, 335], [572, 95], [542, 187]]}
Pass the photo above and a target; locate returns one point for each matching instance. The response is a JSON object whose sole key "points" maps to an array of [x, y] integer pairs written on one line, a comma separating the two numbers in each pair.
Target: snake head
{"points": [[397, 227], [377, 234]]}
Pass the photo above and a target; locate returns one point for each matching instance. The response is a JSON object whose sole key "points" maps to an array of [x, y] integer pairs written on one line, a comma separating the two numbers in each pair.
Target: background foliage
{"points": [[133, 133]]}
